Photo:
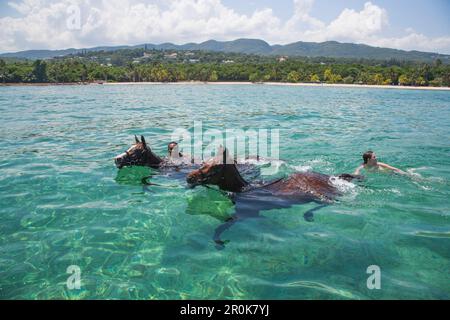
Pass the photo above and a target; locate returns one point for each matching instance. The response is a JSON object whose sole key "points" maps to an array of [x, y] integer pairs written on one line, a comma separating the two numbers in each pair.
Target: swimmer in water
{"points": [[371, 164], [173, 151], [176, 156]]}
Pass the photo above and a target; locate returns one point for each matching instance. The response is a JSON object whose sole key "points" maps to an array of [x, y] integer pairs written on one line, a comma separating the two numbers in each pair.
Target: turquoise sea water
{"points": [[64, 203]]}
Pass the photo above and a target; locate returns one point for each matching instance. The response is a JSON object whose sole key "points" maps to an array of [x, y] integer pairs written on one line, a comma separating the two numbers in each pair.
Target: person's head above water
{"points": [[171, 147], [370, 158]]}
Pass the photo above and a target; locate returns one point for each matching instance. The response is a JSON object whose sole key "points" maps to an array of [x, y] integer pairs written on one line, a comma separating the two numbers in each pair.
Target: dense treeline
{"points": [[129, 65]]}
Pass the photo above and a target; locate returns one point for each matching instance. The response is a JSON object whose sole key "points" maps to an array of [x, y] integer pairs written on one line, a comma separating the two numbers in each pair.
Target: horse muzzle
{"points": [[118, 163], [119, 160], [192, 181]]}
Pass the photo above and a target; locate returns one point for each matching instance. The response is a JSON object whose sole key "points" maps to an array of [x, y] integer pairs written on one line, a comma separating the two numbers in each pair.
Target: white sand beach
{"points": [[300, 84]]}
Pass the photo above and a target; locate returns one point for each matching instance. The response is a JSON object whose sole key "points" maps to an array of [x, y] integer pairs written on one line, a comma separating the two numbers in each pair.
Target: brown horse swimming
{"points": [[298, 188], [140, 154]]}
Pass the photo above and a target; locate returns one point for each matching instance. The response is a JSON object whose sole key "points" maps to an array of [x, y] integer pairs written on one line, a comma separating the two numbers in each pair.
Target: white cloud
{"points": [[25, 7], [301, 17], [43, 24], [353, 25], [415, 41]]}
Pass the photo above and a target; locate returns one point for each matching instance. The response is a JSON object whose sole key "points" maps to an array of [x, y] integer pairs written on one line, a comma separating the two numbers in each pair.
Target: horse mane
{"points": [[233, 181], [153, 159]]}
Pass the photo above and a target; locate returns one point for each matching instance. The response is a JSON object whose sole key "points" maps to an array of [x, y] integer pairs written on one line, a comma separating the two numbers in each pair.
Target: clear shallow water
{"points": [[64, 203]]}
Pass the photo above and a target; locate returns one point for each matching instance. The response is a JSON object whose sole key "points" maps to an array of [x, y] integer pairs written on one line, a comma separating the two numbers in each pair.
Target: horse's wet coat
{"points": [[250, 200], [279, 195]]}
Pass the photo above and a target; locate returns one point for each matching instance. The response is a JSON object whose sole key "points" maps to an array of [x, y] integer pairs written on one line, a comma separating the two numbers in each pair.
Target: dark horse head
{"points": [[220, 171], [139, 154]]}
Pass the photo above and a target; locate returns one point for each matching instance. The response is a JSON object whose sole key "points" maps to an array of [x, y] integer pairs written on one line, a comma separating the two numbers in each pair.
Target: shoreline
{"points": [[299, 84]]}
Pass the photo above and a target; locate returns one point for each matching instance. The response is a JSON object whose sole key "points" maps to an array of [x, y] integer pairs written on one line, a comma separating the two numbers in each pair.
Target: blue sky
{"points": [[43, 24]]}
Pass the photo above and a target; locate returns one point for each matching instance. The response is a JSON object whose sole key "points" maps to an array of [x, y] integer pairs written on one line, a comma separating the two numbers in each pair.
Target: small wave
{"points": [[320, 161], [253, 161], [396, 191], [412, 172], [424, 182], [301, 168], [179, 161], [274, 168], [417, 176], [261, 161], [348, 189], [314, 285], [431, 234], [268, 166], [342, 185], [425, 188]]}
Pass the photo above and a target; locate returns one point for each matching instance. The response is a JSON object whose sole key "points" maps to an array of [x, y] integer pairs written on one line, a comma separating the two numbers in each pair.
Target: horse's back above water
{"points": [[306, 184]]}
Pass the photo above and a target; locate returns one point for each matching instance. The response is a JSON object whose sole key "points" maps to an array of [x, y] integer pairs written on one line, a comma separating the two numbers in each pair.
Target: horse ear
{"points": [[219, 154], [143, 140], [226, 159], [136, 139], [220, 151]]}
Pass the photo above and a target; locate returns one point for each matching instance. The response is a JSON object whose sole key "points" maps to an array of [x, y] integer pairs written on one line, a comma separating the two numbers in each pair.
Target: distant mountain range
{"points": [[331, 49]]}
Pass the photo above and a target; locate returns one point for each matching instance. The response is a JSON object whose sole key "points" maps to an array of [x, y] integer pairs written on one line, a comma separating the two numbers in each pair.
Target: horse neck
{"points": [[232, 180], [153, 159]]}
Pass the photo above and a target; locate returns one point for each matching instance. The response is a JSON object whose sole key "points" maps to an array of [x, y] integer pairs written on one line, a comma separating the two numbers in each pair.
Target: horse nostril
{"points": [[118, 162]]}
